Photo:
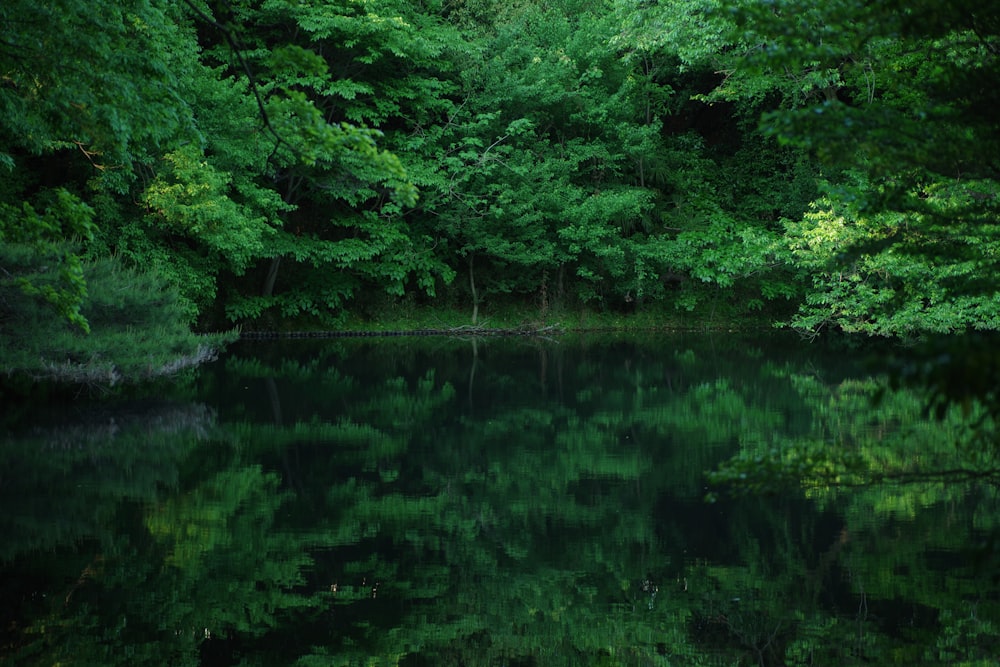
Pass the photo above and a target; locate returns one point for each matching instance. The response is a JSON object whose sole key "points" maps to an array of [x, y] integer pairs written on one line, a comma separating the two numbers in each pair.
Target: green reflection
{"points": [[513, 502]]}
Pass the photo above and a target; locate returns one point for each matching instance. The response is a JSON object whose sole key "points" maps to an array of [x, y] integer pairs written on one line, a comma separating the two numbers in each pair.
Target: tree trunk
{"points": [[475, 295], [561, 290], [272, 277]]}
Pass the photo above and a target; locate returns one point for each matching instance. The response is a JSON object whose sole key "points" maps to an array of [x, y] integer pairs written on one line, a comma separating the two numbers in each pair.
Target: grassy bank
{"points": [[408, 317]]}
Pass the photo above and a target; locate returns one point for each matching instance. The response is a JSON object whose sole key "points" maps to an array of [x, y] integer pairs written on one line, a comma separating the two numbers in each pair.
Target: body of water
{"points": [[500, 502]]}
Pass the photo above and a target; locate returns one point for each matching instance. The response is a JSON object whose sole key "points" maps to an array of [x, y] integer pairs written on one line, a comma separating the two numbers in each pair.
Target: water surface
{"points": [[492, 502]]}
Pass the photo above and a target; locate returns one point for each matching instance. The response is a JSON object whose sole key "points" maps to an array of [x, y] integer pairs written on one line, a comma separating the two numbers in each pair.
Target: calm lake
{"points": [[519, 502]]}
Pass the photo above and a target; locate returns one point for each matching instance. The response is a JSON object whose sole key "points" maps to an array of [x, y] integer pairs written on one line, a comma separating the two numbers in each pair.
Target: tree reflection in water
{"points": [[351, 502]]}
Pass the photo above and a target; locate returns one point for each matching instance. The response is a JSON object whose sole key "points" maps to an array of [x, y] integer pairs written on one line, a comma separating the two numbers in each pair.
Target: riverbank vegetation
{"points": [[173, 168]]}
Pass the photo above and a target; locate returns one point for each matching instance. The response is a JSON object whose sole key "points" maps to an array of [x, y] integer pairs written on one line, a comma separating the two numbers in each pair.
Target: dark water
{"points": [[496, 502]]}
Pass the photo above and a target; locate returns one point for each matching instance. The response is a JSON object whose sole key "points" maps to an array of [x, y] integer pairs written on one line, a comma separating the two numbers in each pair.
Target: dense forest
{"points": [[178, 173], [173, 168]]}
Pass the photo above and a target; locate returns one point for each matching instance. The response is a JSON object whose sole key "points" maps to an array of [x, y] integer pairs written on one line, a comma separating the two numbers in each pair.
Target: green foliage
{"points": [[193, 169], [40, 252], [897, 96], [138, 330], [344, 195], [90, 81], [295, 163], [192, 199], [893, 273], [226, 525], [863, 440]]}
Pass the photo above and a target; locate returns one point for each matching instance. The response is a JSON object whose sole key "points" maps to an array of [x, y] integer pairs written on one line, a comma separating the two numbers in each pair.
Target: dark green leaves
{"points": [[41, 251]]}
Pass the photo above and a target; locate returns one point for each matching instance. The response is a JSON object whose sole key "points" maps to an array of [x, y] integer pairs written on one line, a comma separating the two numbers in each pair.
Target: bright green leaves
{"points": [[329, 74], [693, 31], [292, 62], [723, 186], [382, 56], [902, 249], [192, 198], [899, 274], [314, 142], [598, 231], [549, 162], [89, 98]]}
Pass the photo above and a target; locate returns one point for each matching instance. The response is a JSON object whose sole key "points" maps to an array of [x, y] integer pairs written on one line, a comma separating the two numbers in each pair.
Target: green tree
{"points": [[73, 78], [724, 185], [204, 151], [346, 72], [88, 95], [542, 190], [893, 99]]}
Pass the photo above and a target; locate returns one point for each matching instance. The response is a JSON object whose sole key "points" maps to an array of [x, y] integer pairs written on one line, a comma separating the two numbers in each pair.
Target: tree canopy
{"points": [[286, 165]]}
